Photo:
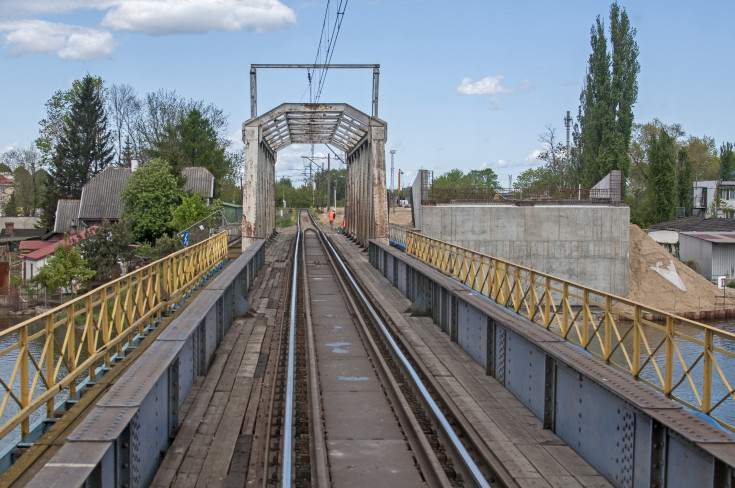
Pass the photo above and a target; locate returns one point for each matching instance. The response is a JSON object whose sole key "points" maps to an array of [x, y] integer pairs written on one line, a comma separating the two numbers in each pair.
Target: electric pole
{"points": [[567, 123], [392, 158], [329, 183]]}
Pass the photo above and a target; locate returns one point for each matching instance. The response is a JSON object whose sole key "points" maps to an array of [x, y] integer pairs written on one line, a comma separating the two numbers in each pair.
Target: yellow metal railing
{"points": [[688, 361], [52, 353]]}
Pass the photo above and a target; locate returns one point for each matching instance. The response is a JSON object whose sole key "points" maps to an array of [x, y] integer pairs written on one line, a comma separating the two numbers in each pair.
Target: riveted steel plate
{"points": [[623, 386], [685, 466], [103, 424], [183, 326], [690, 426], [131, 389], [75, 463]]}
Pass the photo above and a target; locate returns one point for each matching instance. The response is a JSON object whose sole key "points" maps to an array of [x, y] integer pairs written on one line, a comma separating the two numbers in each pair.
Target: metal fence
{"points": [[515, 196], [54, 352], [213, 224], [690, 362], [397, 233]]}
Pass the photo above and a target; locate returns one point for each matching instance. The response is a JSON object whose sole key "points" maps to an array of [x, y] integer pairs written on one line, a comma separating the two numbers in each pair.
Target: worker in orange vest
{"points": [[332, 214]]}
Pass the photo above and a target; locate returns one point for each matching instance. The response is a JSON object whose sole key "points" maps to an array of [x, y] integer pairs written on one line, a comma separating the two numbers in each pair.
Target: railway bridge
{"points": [[299, 359]]}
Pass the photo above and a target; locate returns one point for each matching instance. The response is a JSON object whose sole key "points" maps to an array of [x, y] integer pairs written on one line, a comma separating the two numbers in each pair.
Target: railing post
{"points": [[636, 341], [532, 295], [669, 366], [547, 302], [49, 359], [585, 318], [565, 310], [517, 295], [104, 323], [71, 345], [608, 328], [89, 330], [707, 371], [25, 396]]}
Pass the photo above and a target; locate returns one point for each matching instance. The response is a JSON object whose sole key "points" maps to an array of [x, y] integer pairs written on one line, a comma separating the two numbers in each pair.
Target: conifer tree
{"points": [[684, 172], [84, 147], [605, 117], [661, 174], [727, 161]]}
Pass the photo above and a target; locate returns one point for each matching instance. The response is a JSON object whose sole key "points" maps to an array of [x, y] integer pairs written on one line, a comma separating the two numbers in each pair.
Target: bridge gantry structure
{"points": [[361, 136]]}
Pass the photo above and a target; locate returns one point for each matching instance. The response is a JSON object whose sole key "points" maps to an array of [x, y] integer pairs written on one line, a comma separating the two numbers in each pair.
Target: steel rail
{"points": [[457, 444], [320, 473], [288, 414]]}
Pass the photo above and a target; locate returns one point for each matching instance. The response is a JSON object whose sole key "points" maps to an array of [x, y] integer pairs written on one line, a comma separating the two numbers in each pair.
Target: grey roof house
{"points": [[67, 214], [100, 198], [199, 179]]}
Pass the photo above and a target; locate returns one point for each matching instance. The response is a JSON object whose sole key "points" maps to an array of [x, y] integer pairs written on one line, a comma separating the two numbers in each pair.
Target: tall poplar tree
{"points": [[684, 173], [661, 177], [727, 161], [605, 117]]}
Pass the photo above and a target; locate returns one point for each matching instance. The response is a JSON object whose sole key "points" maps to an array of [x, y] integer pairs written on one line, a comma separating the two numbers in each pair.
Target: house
{"points": [[100, 198], [714, 198], [199, 179], [13, 237], [34, 260], [6, 189], [714, 253], [67, 220]]}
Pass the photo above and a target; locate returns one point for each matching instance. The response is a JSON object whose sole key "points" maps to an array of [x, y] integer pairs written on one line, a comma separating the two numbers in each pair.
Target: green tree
{"points": [[684, 177], [481, 178], [106, 247], [605, 118], [84, 147], [65, 270], [533, 179], [10, 209], [450, 179], [192, 210], [727, 161], [661, 176], [149, 199]]}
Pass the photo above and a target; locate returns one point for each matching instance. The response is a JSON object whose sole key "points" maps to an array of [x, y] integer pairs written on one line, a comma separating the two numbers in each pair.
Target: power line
{"points": [[328, 52]]}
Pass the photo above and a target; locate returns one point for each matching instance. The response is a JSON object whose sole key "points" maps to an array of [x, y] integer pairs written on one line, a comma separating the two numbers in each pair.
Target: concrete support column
{"points": [[380, 199], [250, 186]]}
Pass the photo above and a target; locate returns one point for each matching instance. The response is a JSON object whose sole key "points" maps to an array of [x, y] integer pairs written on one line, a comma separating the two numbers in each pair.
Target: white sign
{"points": [[721, 282]]}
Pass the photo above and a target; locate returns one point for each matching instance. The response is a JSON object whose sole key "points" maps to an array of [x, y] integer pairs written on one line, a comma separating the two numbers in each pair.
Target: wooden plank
{"points": [[222, 448], [237, 475], [179, 448], [227, 379], [193, 463]]}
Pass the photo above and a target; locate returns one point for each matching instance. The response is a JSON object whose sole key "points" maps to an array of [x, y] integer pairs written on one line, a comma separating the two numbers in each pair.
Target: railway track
{"points": [[349, 408]]}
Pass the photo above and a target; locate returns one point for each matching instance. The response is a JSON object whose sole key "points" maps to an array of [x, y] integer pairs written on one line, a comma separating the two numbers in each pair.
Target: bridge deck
{"points": [[221, 416]]}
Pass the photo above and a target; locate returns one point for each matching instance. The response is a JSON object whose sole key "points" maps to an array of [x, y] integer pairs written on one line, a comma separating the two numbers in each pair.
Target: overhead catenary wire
{"points": [[327, 50]]}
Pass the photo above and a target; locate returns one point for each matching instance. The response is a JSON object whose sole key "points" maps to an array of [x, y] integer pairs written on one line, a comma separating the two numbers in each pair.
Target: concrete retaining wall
{"points": [[630, 434], [587, 244], [119, 443]]}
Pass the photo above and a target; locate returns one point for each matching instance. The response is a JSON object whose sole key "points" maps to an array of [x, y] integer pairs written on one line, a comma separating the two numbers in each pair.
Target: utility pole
{"points": [[329, 183], [510, 182], [393, 200], [568, 124]]}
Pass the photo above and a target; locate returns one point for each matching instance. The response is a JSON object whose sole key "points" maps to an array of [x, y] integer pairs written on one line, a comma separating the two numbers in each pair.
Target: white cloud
{"points": [[502, 163], [66, 41], [534, 156], [159, 17], [496, 103], [490, 85], [154, 17]]}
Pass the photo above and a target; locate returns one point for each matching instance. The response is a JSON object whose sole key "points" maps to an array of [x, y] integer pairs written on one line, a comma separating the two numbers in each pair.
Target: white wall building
{"points": [[704, 195]]}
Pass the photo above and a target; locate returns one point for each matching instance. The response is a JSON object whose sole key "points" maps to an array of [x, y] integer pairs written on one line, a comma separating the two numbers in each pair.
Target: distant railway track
{"points": [[349, 407]]}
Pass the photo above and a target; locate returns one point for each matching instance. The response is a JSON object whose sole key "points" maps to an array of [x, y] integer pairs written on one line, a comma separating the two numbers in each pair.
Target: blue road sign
{"points": [[185, 238]]}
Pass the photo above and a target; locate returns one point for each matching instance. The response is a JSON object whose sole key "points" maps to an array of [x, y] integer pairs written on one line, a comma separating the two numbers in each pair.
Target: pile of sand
{"points": [[701, 298]]}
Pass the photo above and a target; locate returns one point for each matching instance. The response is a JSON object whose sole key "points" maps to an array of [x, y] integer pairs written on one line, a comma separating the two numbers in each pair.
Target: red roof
{"points": [[32, 245], [51, 247], [4, 180]]}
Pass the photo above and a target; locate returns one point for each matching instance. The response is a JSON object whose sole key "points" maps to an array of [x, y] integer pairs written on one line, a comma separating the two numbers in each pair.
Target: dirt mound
{"points": [[651, 288]]}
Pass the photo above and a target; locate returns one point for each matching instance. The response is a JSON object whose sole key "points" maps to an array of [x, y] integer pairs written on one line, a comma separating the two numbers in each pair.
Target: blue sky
{"points": [[463, 85]]}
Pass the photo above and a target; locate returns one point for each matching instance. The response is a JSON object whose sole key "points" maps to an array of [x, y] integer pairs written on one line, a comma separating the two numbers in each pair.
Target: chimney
{"points": [[9, 227]]}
